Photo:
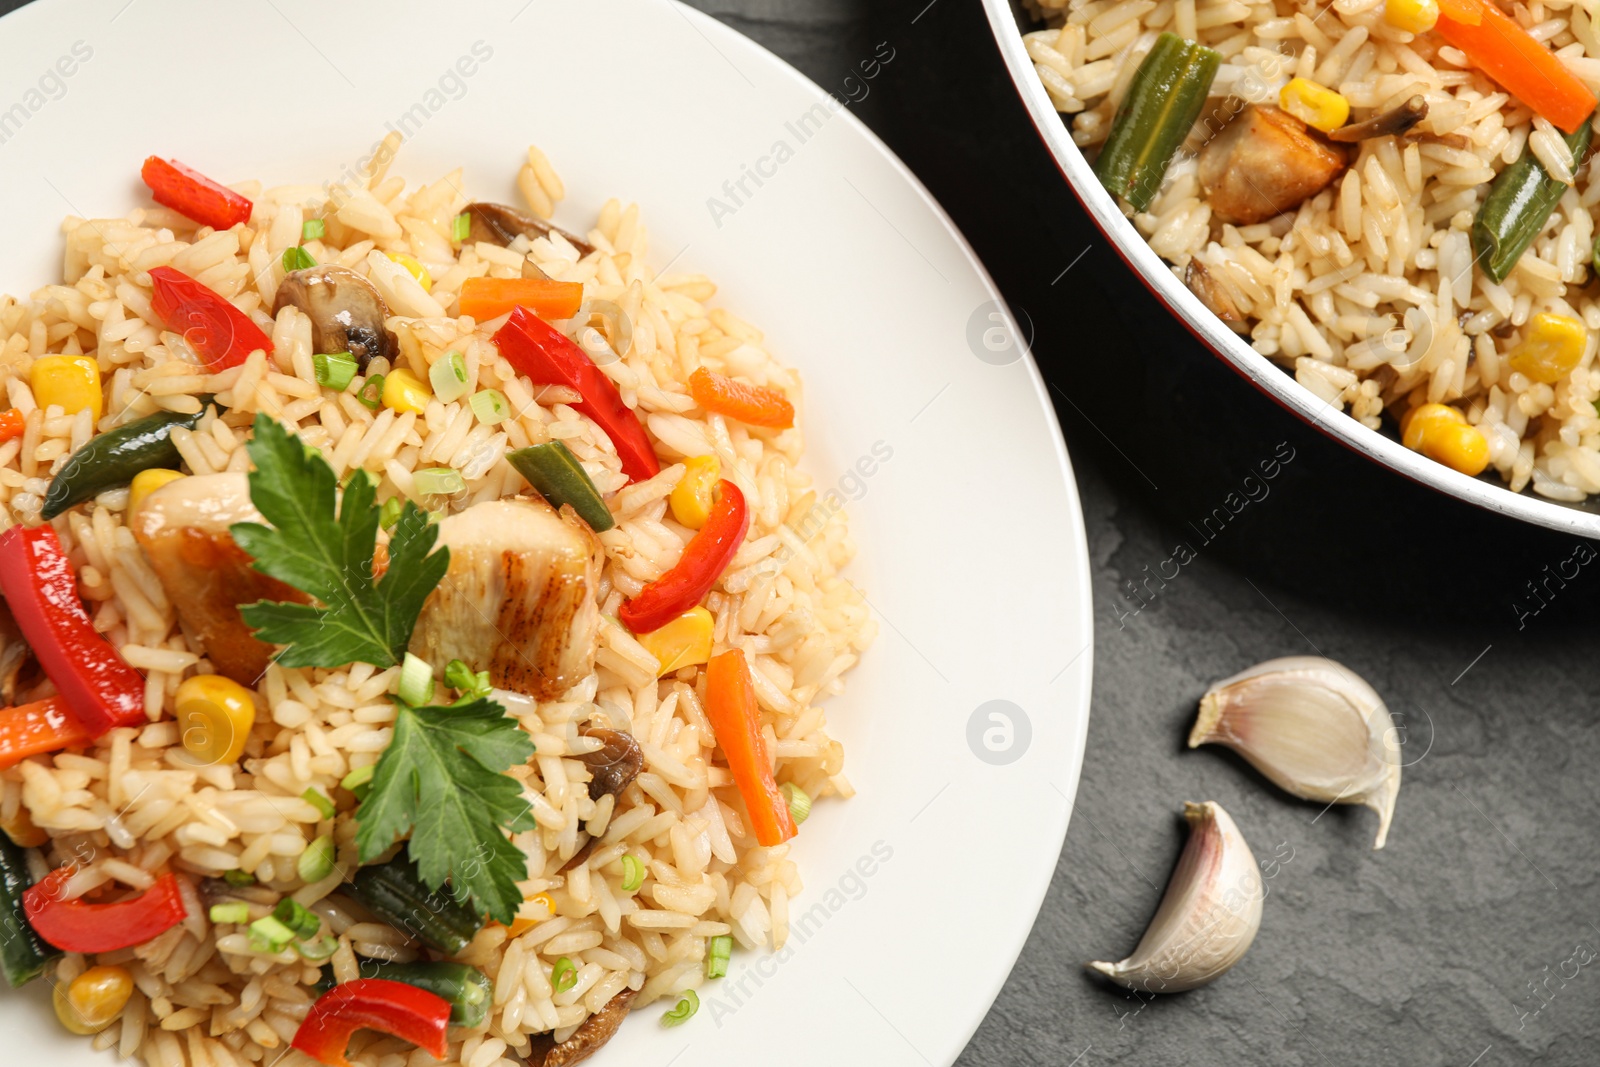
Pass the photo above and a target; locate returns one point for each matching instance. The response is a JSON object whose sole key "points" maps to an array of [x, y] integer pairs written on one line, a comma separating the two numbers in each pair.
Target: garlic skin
{"points": [[1313, 727], [1208, 916]]}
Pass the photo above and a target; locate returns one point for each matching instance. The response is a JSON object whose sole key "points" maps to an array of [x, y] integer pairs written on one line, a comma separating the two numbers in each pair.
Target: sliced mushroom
{"points": [[615, 764], [1263, 164], [345, 310], [1394, 121], [500, 225], [586, 1040], [183, 528], [14, 655], [1212, 294]]}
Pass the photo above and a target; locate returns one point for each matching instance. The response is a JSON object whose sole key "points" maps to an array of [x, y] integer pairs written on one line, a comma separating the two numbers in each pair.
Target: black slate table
{"points": [[1473, 939]]}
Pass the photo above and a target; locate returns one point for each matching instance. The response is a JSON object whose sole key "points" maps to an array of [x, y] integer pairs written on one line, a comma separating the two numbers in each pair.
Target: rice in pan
{"points": [[627, 882], [1372, 290]]}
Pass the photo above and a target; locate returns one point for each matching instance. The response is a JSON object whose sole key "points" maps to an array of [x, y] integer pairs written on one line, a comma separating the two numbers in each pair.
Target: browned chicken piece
{"points": [[586, 1040], [1264, 163], [183, 529], [519, 598]]}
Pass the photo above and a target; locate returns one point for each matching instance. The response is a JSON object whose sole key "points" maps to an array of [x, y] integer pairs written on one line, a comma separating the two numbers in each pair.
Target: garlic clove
{"points": [[1313, 727], [1208, 916]]}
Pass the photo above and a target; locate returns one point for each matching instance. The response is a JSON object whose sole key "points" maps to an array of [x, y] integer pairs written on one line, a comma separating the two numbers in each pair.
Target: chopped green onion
{"points": [[238, 877], [334, 369], [718, 951], [684, 1011], [371, 392], [490, 406], [316, 862], [313, 229], [359, 777], [389, 514], [799, 801], [448, 376], [632, 874], [317, 951], [459, 676], [297, 917], [438, 481], [237, 913], [555, 473], [416, 679], [297, 258], [564, 975], [314, 797], [269, 935], [460, 227]]}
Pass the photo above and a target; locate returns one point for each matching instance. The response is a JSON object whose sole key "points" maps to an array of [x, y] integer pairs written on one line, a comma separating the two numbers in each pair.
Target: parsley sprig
{"points": [[327, 553], [441, 780]]}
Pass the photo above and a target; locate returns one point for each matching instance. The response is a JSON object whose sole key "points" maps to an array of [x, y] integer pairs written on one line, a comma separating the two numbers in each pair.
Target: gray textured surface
{"points": [[1452, 946], [1449, 947]]}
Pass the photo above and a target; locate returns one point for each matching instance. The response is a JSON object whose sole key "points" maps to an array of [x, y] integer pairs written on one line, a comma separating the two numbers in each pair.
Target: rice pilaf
{"points": [[623, 892]]}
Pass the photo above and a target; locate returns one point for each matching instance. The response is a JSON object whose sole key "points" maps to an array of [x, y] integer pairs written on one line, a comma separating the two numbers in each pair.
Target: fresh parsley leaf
{"points": [[442, 781], [324, 548]]}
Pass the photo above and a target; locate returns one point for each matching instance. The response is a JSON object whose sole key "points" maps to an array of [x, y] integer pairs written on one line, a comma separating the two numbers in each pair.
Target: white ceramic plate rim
{"points": [[1486, 492], [868, 1001]]}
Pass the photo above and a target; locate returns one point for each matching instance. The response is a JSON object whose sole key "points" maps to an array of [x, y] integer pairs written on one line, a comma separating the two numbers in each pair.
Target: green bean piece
{"points": [[114, 457], [1164, 99], [555, 472], [24, 955], [1519, 203]]}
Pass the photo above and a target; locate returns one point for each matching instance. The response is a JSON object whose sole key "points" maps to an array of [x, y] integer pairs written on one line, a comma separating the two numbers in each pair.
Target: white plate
{"points": [[921, 890]]}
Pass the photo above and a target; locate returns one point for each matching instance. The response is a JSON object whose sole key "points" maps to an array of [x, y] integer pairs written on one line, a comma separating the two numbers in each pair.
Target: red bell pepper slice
{"points": [[79, 926], [221, 333], [697, 570], [404, 1011], [44, 726], [545, 356], [193, 195], [36, 578], [736, 720], [12, 424]]}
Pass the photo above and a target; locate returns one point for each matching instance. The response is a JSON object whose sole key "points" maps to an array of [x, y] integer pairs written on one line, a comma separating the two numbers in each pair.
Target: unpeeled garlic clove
{"points": [[1208, 915], [1312, 726]]}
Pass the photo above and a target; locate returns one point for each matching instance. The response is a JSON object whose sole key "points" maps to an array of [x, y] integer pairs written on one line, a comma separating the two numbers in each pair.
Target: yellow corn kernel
{"points": [[1315, 105], [695, 492], [404, 391], [1420, 422], [147, 482], [72, 382], [1551, 348], [683, 642], [542, 906], [93, 1000], [1413, 16], [1462, 448], [415, 269], [215, 715]]}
